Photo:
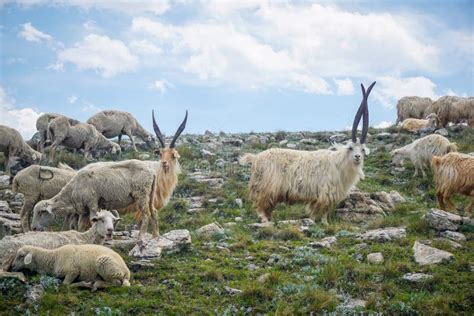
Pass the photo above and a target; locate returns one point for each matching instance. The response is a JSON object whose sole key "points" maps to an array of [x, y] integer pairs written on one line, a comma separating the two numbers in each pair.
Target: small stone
{"points": [[375, 257], [230, 224], [308, 141], [397, 197], [34, 293], [210, 229], [206, 153], [170, 242], [263, 278], [140, 265], [425, 255], [4, 182], [232, 291], [355, 303], [291, 145], [4, 207], [261, 225], [416, 277], [144, 156], [324, 243], [283, 142], [337, 138], [239, 203], [238, 219], [455, 236], [252, 266], [384, 135]]}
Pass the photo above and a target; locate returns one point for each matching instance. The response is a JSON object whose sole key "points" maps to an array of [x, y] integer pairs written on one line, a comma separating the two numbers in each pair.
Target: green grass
{"points": [[298, 279]]}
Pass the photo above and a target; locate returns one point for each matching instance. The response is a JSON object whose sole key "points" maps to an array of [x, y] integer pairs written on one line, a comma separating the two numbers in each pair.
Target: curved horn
{"points": [[157, 130], [365, 121], [179, 131], [115, 214], [358, 116]]}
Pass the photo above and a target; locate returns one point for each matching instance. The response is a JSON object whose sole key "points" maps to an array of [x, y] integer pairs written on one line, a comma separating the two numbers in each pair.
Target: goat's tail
{"points": [[452, 147], [247, 159]]}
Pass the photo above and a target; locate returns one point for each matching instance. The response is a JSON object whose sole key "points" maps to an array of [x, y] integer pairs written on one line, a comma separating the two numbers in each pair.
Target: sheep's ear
{"points": [[94, 219], [28, 258]]}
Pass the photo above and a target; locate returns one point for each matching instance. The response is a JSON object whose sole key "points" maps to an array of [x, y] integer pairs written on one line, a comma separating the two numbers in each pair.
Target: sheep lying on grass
{"points": [[414, 125], [454, 173], [320, 178], [93, 266], [101, 230], [39, 183], [421, 151]]}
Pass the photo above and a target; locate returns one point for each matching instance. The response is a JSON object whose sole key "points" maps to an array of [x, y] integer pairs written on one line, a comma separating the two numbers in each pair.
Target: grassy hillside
{"points": [[275, 269]]}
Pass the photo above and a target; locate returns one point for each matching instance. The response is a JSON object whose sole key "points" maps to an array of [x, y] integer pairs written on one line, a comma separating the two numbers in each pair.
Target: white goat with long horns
{"points": [[320, 178]]}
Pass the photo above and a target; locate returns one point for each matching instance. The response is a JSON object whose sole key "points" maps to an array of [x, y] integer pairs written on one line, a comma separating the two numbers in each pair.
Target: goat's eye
{"points": [[350, 148]]}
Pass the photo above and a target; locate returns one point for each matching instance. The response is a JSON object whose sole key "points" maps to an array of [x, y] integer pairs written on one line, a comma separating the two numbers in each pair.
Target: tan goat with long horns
{"points": [[320, 178]]}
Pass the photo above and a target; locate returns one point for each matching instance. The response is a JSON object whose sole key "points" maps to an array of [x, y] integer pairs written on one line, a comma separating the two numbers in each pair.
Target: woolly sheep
{"points": [[94, 266], [412, 107], [113, 123], [101, 230], [454, 173], [414, 125], [81, 135], [454, 109], [422, 150], [42, 127], [320, 178], [13, 145], [38, 183]]}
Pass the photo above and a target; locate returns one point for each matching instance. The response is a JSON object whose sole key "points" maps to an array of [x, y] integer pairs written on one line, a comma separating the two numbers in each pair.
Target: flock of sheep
{"points": [[86, 200]]}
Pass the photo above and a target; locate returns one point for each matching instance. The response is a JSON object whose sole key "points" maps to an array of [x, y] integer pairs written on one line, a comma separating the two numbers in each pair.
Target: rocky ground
{"points": [[386, 250]]}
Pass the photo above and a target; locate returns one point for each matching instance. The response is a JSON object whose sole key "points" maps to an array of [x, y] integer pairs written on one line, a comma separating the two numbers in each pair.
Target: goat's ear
{"points": [[94, 219], [28, 258]]}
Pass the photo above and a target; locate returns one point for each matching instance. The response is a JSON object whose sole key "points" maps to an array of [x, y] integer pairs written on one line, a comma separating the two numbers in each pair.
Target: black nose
{"points": [[109, 230], [357, 156], [34, 228]]}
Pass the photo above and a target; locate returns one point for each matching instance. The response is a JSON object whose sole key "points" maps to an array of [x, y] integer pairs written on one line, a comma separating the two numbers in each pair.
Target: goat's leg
{"points": [[119, 139], [129, 134], [450, 204], [440, 197], [470, 207], [264, 209], [155, 229], [70, 277], [83, 284]]}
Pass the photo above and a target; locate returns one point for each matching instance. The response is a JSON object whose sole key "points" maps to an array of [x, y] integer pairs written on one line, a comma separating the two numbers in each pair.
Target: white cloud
{"points": [[383, 124], [22, 119], [390, 89], [31, 34], [57, 66], [145, 47], [123, 6], [344, 86], [161, 85], [72, 99], [101, 53]]}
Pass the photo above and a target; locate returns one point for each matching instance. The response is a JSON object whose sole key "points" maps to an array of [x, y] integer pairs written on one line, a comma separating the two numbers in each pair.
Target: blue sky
{"points": [[236, 65]]}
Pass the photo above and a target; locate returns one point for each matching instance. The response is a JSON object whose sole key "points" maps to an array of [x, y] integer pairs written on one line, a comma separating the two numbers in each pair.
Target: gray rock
{"points": [[232, 291], [34, 293], [324, 243], [375, 257], [291, 145], [416, 277], [283, 142], [252, 266], [442, 132], [144, 156], [397, 197], [140, 265], [354, 303], [455, 236], [383, 234], [210, 229], [308, 141], [253, 140], [170, 242], [296, 222], [263, 278], [238, 219], [206, 153], [425, 255], [261, 225], [441, 220], [4, 182], [338, 138], [384, 135], [4, 207]]}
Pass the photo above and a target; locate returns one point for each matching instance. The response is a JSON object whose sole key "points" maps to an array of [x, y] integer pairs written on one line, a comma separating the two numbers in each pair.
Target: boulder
{"points": [[170, 242], [338, 138], [4, 207], [210, 229], [383, 234], [4, 182], [324, 243], [426, 255], [455, 236], [375, 257], [441, 220]]}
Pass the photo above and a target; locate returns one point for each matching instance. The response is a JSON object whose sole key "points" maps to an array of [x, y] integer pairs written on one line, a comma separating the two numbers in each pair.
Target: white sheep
{"points": [[113, 123], [38, 183], [320, 178], [430, 123], [13, 145], [42, 127], [94, 266], [421, 151], [80, 136], [102, 229]]}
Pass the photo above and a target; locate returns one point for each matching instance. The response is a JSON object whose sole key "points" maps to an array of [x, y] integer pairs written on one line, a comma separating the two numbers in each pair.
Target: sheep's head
{"points": [[433, 120], [169, 155], [356, 149], [43, 216], [104, 222], [23, 258], [397, 158], [115, 149]]}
